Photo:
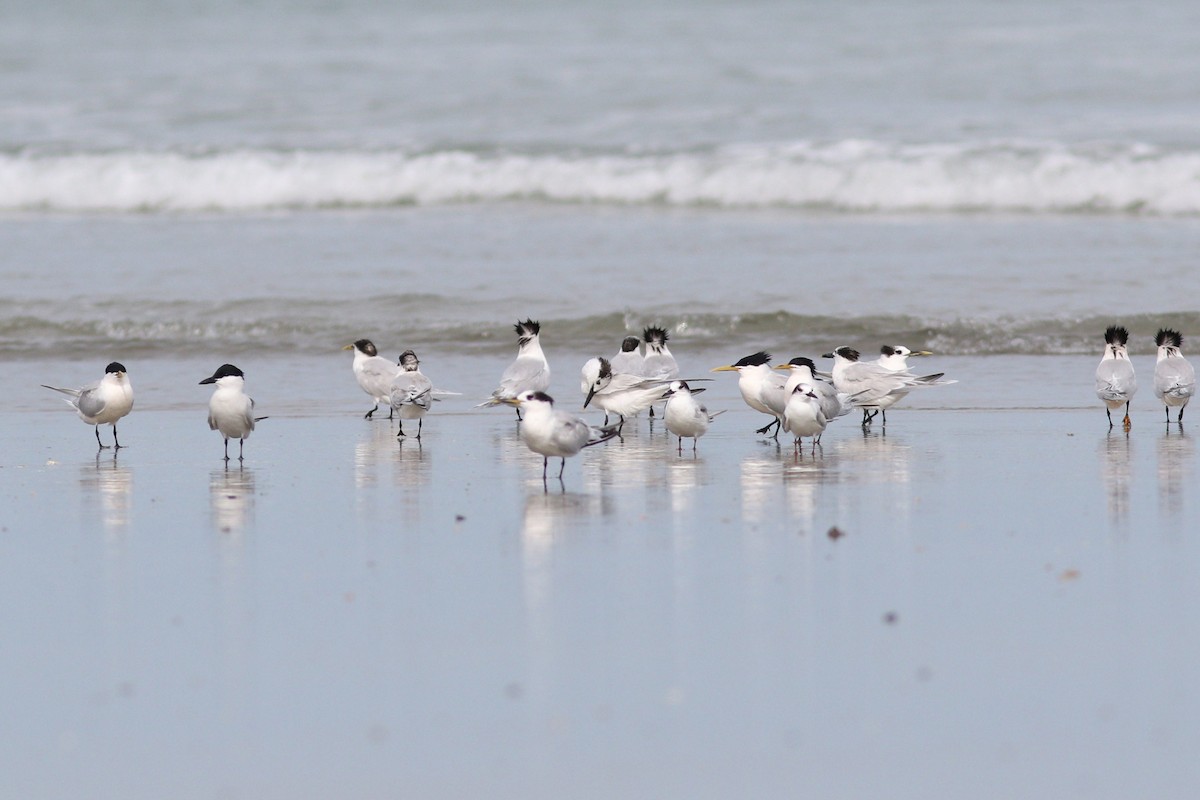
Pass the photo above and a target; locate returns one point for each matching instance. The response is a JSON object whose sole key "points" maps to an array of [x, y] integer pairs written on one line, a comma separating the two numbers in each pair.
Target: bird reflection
{"points": [[549, 517], [1117, 451], [684, 476], [1175, 449], [231, 494], [376, 447], [113, 484]]}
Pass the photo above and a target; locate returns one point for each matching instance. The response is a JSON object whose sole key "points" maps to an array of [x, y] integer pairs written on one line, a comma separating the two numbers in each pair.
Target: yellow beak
{"points": [[727, 368]]}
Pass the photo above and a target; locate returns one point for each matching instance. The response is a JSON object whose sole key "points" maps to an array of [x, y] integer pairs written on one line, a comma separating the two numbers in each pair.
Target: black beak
{"points": [[208, 380]]}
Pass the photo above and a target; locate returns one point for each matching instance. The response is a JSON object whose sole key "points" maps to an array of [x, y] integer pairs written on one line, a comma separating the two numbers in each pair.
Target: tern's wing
{"points": [[524, 374], [90, 402], [1174, 376], [412, 388], [377, 374], [1115, 380]]}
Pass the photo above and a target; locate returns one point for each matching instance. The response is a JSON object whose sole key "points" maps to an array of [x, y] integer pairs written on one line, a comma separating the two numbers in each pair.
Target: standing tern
{"points": [[868, 383], [529, 372], [684, 416], [1174, 378], [555, 434], [102, 402], [618, 393], [630, 359], [411, 392], [658, 363], [1115, 381], [230, 410], [803, 416], [761, 387], [374, 373], [895, 358], [802, 370]]}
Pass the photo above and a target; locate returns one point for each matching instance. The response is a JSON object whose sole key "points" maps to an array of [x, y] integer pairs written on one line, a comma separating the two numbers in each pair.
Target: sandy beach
{"points": [[1003, 610]]}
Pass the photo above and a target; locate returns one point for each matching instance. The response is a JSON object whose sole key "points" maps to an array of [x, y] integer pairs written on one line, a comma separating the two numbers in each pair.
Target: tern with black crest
{"points": [[761, 387], [1115, 380], [1174, 378], [529, 372], [618, 393], [870, 384]]}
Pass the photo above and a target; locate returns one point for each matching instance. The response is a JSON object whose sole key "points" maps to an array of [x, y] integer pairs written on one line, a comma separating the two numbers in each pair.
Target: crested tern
{"points": [[1115, 380], [1174, 378], [529, 372]]}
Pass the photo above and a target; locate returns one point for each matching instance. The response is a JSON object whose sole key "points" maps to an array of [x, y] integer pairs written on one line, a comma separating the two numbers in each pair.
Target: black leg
{"points": [[680, 445], [1181, 408], [102, 445], [1168, 410], [401, 433], [1106, 411], [420, 424], [240, 443], [391, 411], [372, 411], [518, 415], [883, 412], [226, 448], [116, 442], [545, 463], [562, 469]]}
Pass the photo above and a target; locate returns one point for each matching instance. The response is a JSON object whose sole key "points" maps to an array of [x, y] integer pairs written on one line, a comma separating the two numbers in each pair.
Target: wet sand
{"points": [[1008, 610]]}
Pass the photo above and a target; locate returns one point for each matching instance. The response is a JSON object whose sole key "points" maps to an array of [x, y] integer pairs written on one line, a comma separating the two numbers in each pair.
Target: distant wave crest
{"points": [[848, 176]]}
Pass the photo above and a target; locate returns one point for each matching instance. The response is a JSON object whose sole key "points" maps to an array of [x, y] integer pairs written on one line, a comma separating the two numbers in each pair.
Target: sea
{"points": [[285, 177]]}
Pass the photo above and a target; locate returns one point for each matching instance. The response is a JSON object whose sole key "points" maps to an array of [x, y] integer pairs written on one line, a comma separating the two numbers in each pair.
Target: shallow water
{"points": [[1006, 611]]}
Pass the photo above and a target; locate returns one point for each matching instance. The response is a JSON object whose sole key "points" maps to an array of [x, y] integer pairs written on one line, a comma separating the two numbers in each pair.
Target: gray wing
{"points": [[1174, 376], [524, 374], [1115, 380], [89, 402], [570, 433], [660, 367], [377, 372], [412, 388], [772, 394]]}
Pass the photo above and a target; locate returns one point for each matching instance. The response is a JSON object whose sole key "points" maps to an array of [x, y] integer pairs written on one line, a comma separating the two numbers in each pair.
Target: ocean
{"points": [[991, 596]]}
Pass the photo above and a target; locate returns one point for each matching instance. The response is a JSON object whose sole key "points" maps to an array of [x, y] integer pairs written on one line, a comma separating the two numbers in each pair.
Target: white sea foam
{"points": [[851, 176]]}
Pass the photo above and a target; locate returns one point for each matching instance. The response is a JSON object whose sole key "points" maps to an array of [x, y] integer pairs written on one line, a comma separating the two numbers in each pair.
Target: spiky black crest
{"points": [[655, 335], [801, 361], [630, 344], [527, 329], [848, 353], [1116, 334], [409, 360], [114, 367], [226, 370], [542, 396], [887, 350], [1169, 338], [605, 367], [754, 360], [366, 346]]}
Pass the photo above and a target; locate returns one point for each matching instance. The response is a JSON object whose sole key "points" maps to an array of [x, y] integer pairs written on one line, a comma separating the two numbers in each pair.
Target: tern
{"points": [[684, 416], [555, 434], [869, 383], [618, 393], [411, 393], [1115, 381], [103, 402], [761, 387], [658, 363], [895, 358], [803, 416], [629, 360], [802, 370], [529, 372], [230, 410], [1174, 378], [374, 373]]}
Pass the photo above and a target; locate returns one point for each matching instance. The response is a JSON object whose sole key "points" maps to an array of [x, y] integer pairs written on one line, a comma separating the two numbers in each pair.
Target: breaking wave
{"points": [[850, 176]]}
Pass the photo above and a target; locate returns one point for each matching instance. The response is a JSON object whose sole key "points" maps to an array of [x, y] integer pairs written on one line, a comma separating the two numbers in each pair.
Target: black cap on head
{"points": [[527, 328], [223, 371], [848, 353], [408, 358], [887, 350], [801, 361], [630, 344], [366, 346], [545, 398], [605, 367], [115, 366], [754, 359]]}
